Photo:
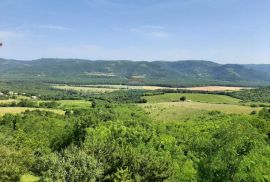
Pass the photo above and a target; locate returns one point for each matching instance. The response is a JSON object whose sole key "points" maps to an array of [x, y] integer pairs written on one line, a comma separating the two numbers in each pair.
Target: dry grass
{"points": [[8, 101], [100, 74], [217, 88], [106, 88], [84, 88], [111, 88], [16, 110], [130, 87]]}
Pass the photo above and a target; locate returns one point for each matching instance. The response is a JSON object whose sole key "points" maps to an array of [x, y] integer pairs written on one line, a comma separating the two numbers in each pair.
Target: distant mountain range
{"points": [[178, 73]]}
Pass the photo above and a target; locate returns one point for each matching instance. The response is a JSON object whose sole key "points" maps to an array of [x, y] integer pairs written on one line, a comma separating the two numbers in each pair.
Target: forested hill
{"points": [[178, 73]]}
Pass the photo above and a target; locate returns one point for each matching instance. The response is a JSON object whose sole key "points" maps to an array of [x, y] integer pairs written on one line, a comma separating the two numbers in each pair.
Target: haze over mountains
{"points": [[178, 73]]}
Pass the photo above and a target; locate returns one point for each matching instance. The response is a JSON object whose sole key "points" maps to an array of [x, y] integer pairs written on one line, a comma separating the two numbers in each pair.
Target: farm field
{"points": [[84, 89], [216, 88], [106, 88], [204, 88], [17, 110], [111, 88], [206, 98], [131, 87]]}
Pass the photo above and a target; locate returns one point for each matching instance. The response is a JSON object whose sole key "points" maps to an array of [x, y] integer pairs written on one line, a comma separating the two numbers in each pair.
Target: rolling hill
{"points": [[178, 73]]}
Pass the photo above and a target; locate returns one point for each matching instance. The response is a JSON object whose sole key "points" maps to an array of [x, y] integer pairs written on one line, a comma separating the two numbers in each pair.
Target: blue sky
{"points": [[225, 31]]}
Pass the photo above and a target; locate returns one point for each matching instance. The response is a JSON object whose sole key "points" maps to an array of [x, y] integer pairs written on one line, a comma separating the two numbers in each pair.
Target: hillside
{"points": [[265, 68], [179, 73]]}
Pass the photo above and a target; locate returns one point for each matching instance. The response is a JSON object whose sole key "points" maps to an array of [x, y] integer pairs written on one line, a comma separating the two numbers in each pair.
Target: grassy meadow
{"points": [[179, 111], [74, 104], [206, 98], [168, 107]]}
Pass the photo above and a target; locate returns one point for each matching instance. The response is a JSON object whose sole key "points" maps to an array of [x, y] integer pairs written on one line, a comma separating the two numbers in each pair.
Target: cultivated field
{"points": [[216, 88], [84, 88], [130, 87], [106, 88], [111, 88]]}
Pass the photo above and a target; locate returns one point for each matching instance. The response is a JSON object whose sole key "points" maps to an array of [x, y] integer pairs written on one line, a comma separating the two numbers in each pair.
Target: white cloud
{"points": [[160, 34], [53, 27], [33, 27], [153, 27], [9, 34], [155, 31]]}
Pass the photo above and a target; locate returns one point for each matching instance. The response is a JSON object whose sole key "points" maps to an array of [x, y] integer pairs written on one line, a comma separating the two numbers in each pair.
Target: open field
{"points": [[130, 87], [84, 88], [206, 98], [16, 110], [100, 74], [111, 88], [179, 111], [167, 107], [217, 88], [106, 88], [8, 101], [74, 104]]}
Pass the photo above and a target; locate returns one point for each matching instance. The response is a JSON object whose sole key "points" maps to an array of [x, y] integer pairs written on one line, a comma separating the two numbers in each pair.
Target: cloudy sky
{"points": [[225, 31]]}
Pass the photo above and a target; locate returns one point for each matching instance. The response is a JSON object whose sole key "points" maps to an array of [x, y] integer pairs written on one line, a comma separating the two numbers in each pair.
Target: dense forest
{"points": [[114, 142], [256, 95]]}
